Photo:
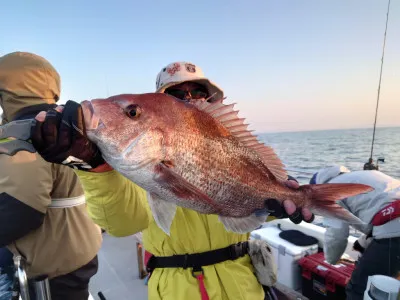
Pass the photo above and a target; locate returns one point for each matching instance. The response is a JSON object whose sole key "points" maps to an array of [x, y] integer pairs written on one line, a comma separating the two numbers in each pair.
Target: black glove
{"points": [[62, 139], [363, 242], [358, 247], [277, 210]]}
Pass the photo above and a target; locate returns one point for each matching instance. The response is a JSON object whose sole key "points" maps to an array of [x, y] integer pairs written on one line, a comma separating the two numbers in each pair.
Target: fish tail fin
{"points": [[324, 197]]}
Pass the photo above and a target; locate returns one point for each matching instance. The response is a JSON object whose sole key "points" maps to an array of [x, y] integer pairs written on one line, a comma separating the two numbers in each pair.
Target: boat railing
{"points": [[21, 284]]}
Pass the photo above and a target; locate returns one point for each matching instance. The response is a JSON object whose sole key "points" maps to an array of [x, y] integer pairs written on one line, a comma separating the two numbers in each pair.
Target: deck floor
{"points": [[118, 274]]}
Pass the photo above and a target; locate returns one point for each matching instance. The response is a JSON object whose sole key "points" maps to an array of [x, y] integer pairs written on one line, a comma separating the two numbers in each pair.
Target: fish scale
{"points": [[236, 184]]}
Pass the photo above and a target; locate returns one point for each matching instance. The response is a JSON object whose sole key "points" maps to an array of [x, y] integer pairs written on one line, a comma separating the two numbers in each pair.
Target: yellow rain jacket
{"points": [[120, 207]]}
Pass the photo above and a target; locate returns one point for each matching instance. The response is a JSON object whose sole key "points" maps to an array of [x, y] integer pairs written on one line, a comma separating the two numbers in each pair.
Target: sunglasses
{"points": [[184, 95]]}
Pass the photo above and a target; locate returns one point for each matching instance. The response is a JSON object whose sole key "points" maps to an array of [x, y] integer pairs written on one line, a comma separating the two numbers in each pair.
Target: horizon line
{"points": [[327, 129]]}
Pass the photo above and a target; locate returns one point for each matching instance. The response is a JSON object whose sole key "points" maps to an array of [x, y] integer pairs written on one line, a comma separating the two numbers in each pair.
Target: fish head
{"points": [[131, 128], [127, 128]]}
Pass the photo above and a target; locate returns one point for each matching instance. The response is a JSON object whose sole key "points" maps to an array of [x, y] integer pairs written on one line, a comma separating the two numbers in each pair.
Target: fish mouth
{"points": [[92, 121]]}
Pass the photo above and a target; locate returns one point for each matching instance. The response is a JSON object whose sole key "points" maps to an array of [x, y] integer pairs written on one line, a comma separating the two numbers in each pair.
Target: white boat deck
{"points": [[118, 274]]}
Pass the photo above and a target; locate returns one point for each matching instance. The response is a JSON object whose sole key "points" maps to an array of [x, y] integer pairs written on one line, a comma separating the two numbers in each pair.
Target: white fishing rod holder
{"points": [[42, 287]]}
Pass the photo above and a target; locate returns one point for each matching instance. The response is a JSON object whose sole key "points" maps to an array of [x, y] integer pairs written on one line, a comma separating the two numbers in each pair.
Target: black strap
{"points": [[198, 260]]}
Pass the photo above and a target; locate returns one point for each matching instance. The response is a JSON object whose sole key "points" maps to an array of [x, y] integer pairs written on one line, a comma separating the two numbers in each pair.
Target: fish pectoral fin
{"points": [[167, 177], [243, 225], [163, 212]]}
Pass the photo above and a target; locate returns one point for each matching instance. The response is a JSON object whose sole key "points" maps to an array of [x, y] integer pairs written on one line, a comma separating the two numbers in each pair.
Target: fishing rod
{"points": [[380, 80]]}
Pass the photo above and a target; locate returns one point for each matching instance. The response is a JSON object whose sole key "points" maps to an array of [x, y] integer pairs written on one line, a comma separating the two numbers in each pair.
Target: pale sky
{"points": [[290, 65]]}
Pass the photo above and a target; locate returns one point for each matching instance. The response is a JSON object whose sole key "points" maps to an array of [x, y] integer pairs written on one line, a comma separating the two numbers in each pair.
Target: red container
{"points": [[321, 280]]}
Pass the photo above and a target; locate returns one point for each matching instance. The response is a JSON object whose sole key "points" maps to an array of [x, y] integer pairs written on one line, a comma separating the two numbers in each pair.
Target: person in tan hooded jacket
{"points": [[43, 214]]}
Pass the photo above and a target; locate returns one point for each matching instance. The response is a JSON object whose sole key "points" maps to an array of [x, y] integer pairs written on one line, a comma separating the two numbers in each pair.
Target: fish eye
{"points": [[133, 111]]}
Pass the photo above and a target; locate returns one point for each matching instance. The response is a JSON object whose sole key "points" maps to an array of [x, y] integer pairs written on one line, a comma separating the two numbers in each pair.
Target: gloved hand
{"points": [[288, 209], [362, 243], [357, 247], [59, 137]]}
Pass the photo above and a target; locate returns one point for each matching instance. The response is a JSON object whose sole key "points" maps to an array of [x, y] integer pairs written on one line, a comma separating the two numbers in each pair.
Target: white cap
{"points": [[326, 174], [178, 72]]}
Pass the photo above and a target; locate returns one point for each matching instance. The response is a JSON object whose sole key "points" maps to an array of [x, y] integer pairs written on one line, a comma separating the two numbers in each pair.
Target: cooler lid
{"points": [[271, 236]]}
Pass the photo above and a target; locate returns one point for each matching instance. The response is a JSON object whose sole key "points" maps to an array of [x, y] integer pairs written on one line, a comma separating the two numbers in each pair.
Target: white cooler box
{"points": [[286, 255]]}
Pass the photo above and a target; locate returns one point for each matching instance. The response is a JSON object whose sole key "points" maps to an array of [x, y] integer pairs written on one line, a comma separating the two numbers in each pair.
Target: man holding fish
{"points": [[181, 167]]}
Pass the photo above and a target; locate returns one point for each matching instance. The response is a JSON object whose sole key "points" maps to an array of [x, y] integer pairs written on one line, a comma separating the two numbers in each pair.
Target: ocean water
{"points": [[307, 152], [312, 150]]}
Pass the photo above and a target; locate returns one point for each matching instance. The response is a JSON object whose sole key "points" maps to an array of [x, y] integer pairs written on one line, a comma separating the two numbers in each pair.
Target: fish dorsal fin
{"points": [[228, 117]]}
